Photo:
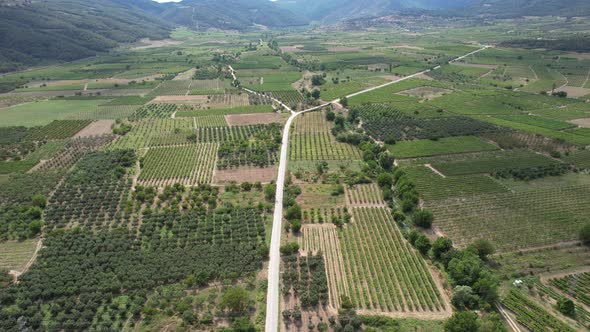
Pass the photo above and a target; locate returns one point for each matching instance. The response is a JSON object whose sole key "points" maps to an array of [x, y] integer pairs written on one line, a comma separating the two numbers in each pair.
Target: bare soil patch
{"points": [[409, 47], [584, 122], [292, 48], [425, 92], [392, 77], [148, 43], [579, 56], [575, 92], [475, 65], [186, 75], [343, 49], [245, 174], [249, 119], [425, 77], [96, 128], [181, 99]]}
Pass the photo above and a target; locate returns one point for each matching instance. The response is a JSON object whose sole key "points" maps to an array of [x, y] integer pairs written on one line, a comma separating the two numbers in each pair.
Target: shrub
{"points": [[423, 218]]}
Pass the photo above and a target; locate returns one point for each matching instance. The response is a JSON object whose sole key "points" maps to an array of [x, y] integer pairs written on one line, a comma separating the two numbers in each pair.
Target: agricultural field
{"points": [[44, 112], [448, 145], [513, 220], [432, 186], [16, 254], [156, 132], [494, 162], [189, 165], [364, 195], [148, 177], [311, 139], [59, 129], [385, 279]]}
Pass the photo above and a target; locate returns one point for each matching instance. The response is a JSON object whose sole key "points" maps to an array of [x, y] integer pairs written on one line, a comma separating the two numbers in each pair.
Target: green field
{"points": [[42, 113], [447, 145]]}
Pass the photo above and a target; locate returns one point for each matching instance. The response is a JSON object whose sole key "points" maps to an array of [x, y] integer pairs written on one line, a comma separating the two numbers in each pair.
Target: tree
{"points": [[465, 268], [385, 180], [39, 201], [35, 227], [289, 248], [270, 192], [441, 246], [423, 218], [423, 244], [293, 213], [330, 115], [315, 94], [317, 80], [491, 322], [243, 324], [296, 226], [462, 321], [483, 248], [386, 160], [236, 300], [487, 290], [463, 298], [585, 234], [566, 307], [344, 101]]}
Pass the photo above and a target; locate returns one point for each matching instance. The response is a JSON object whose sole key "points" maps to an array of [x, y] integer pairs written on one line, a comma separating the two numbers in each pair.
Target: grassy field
{"points": [[448, 145], [15, 255], [42, 113]]}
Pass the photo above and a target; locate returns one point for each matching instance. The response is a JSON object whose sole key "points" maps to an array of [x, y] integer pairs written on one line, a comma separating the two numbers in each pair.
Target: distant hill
{"points": [[338, 10], [32, 32], [230, 14], [517, 8], [41, 31]]}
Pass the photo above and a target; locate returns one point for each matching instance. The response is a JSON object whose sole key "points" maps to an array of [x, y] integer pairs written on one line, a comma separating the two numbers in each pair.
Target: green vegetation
{"points": [[449, 145], [43, 113]]}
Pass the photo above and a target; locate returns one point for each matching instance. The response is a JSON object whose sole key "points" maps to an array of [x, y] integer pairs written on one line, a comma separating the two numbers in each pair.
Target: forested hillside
{"points": [[516, 8], [330, 10], [71, 29], [230, 14]]}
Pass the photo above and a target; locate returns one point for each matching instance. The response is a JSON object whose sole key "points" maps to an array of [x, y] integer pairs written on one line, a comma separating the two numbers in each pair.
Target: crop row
{"points": [[364, 194], [155, 111], [305, 277], [156, 132], [576, 285], [531, 315], [433, 187], [386, 124], [515, 220], [383, 271], [210, 121], [58, 129], [107, 112], [91, 193], [333, 215], [582, 315], [74, 150], [189, 165], [312, 140], [239, 133], [324, 239], [494, 162], [244, 153]]}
